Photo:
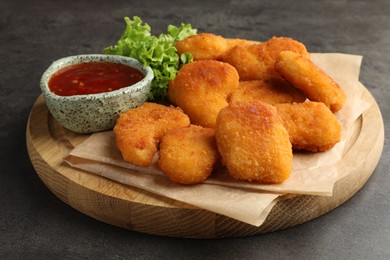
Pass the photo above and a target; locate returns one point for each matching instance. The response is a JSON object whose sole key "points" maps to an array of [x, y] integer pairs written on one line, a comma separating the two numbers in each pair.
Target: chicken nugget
{"points": [[310, 79], [236, 41], [138, 131], [201, 89], [248, 61], [272, 91], [188, 155], [310, 125], [256, 61], [207, 46], [253, 143], [277, 44], [203, 46]]}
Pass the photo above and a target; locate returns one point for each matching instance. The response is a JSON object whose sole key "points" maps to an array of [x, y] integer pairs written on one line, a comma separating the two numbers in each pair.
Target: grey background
{"points": [[34, 224]]}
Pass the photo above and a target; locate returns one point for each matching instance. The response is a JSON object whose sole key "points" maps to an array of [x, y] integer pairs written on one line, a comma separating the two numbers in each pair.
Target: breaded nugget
{"points": [[272, 91], [256, 61], [310, 79], [253, 143], [207, 46], [310, 125], [138, 131], [188, 155], [277, 44], [248, 61], [202, 88], [203, 46], [236, 41]]}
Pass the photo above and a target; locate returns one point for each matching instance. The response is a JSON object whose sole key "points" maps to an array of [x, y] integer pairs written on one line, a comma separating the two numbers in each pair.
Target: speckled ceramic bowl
{"points": [[94, 112]]}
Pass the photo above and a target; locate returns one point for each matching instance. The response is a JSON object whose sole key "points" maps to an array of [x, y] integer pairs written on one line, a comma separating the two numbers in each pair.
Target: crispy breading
{"points": [[272, 91], [311, 125], [310, 79], [188, 155], [138, 131], [248, 61], [232, 42], [256, 61], [207, 46], [253, 142], [201, 89], [203, 46]]}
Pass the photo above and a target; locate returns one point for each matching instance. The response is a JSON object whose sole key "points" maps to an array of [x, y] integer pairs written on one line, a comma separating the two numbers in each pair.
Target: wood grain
{"points": [[134, 209]]}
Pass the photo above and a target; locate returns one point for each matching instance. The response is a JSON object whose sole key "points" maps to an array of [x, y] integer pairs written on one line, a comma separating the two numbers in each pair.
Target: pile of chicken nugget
{"points": [[243, 105]]}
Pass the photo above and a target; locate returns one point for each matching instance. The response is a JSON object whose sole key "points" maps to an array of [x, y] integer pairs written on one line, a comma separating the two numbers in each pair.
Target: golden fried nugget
{"points": [[253, 143], [203, 46], [207, 46], [236, 41], [272, 91], [248, 61], [201, 89], [277, 44], [310, 79], [188, 155], [256, 61], [310, 125], [138, 131]]}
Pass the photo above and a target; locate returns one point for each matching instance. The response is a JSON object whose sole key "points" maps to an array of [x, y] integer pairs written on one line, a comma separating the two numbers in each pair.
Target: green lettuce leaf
{"points": [[159, 52]]}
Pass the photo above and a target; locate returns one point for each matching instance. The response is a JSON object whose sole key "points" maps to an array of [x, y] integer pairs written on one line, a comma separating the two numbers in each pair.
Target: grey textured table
{"points": [[34, 224]]}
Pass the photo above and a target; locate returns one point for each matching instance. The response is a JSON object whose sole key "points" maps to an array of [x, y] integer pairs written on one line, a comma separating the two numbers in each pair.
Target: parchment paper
{"points": [[313, 173], [234, 203]]}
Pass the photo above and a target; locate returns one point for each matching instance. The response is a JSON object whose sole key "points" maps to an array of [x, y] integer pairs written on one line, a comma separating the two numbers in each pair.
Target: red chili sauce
{"points": [[93, 78]]}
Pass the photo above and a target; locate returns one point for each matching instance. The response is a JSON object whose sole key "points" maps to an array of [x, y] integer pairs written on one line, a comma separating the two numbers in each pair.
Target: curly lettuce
{"points": [[158, 52]]}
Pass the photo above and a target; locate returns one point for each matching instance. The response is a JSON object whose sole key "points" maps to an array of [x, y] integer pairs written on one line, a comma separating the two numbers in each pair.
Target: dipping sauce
{"points": [[93, 78]]}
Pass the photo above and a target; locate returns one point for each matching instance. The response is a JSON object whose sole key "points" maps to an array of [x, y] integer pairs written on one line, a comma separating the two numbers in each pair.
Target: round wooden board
{"points": [[131, 208]]}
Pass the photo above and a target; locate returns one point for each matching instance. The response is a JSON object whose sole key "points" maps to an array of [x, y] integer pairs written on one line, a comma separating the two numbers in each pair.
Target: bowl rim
{"points": [[67, 61]]}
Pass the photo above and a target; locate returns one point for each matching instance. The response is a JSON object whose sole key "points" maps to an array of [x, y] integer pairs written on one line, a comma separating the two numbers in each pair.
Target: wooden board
{"points": [[131, 208]]}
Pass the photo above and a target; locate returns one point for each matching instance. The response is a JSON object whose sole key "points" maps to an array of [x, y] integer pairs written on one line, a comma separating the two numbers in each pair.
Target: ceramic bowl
{"points": [[94, 112]]}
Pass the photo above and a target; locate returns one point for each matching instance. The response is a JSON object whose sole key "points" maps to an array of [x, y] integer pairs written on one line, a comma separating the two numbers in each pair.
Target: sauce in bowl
{"points": [[93, 78]]}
